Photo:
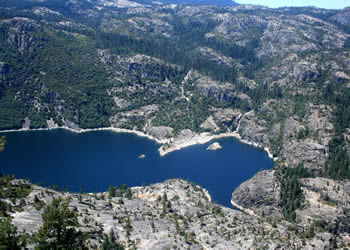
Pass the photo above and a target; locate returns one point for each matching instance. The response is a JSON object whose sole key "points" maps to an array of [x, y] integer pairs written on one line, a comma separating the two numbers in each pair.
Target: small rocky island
{"points": [[214, 146]]}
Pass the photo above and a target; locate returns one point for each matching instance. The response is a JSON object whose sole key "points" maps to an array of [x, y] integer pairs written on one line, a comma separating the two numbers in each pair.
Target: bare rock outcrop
{"points": [[306, 141], [293, 71], [227, 117], [253, 130], [22, 35], [214, 146], [161, 132], [261, 194], [209, 124], [221, 92], [162, 215], [327, 204], [71, 125], [127, 117], [214, 56], [312, 154]]}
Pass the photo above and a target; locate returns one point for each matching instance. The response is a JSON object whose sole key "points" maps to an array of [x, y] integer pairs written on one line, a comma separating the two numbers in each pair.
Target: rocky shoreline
{"points": [[185, 139], [117, 130], [202, 138]]}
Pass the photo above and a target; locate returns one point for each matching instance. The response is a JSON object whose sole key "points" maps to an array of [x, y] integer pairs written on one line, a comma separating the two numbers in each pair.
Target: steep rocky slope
{"points": [[172, 214]]}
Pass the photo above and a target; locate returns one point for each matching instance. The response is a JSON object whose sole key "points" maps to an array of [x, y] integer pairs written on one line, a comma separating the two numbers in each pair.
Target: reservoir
{"points": [[93, 161]]}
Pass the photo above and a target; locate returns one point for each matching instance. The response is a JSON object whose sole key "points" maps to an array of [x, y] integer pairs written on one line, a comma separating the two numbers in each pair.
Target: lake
{"points": [[95, 160]]}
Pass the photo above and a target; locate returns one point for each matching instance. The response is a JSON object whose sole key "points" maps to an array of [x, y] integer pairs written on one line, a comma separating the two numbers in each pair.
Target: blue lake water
{"points": [[95, 160]]}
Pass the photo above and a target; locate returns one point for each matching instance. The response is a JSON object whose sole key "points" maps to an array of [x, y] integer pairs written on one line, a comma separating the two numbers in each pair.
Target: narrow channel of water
{"points": [[93, 161]]}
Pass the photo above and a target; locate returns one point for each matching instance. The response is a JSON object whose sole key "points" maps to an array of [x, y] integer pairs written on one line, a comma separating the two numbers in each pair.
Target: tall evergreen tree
{"points": [[9, 237], [110, 242], [59, 228]]}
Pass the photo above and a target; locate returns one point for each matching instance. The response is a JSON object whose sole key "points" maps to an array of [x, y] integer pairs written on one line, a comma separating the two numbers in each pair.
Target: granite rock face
{"points": [[306, 140], [215, 56], [22, 35], [161, 132], [162, 215], [325, 208], [209, 124], [261, 194], [71, 125], [253, 130], [327, 201], [122, 119], [296, 139], [221, 92], [228, 118]]}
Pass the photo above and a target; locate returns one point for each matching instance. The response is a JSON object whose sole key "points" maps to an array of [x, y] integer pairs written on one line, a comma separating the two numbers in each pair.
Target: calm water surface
{"points": [[95, 160]]}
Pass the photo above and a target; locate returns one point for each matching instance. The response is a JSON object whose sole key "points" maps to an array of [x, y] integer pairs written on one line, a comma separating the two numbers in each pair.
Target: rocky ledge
{"points": [[323, 215], [168, 215], [259, 195]]}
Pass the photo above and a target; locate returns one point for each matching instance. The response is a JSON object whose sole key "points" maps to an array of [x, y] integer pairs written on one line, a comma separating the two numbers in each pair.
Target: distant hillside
{"points": [[193, 2]]}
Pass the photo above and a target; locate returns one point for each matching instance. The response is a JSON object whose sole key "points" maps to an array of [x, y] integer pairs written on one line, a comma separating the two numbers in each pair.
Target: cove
{"points": [[95, 160]]}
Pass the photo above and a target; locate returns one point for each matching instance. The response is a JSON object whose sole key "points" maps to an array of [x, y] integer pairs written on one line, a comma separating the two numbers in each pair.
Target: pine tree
{"points": [[59, 228], [110, 243], [9, 237]]}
